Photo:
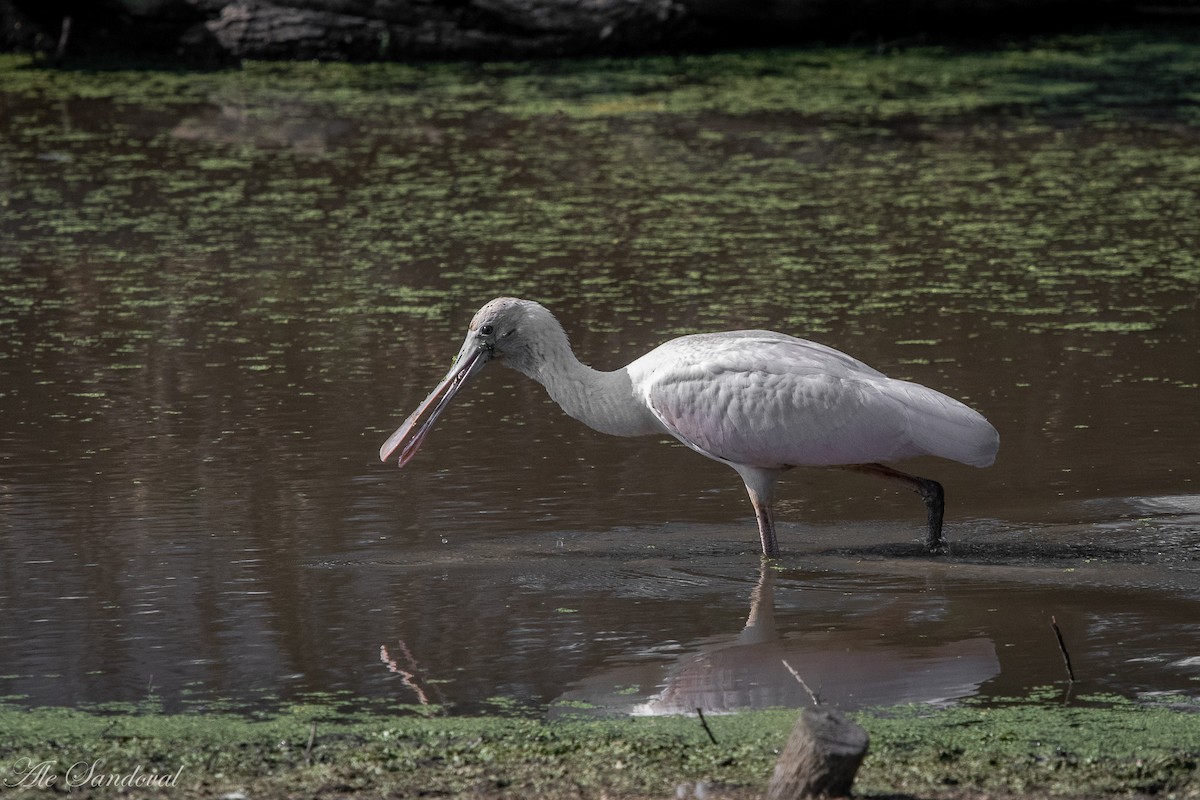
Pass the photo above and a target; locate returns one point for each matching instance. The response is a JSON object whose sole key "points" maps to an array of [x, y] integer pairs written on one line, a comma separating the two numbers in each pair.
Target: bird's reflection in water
{"points": [[747, 670]]}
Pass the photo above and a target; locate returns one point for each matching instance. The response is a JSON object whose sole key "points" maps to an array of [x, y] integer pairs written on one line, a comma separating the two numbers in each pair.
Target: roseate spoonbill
{"points": [[759, 401]]}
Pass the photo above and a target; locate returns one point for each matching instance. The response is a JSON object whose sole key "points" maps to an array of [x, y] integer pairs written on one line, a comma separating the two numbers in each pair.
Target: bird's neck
{"points": [[604, 401]]}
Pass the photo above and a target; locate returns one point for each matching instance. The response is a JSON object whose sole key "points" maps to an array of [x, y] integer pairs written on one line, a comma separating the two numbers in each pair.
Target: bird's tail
{"points": [[942, 426]]}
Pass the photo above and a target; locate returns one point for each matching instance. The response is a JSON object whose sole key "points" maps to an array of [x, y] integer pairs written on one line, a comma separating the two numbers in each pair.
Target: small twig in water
{"points": [[1063, 647], [704, 722], [813, 695], [312, 737]]}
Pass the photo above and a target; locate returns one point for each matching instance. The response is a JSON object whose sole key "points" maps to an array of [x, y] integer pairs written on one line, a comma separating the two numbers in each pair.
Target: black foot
{"points": [[935, 506], [930, 491]]}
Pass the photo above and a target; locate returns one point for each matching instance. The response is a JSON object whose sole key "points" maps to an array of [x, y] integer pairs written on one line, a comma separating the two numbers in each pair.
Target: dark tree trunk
{"points": [[405, 28]]}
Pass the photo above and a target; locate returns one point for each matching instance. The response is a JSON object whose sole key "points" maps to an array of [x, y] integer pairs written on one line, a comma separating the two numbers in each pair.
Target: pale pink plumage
{"points": [[759, 401]]}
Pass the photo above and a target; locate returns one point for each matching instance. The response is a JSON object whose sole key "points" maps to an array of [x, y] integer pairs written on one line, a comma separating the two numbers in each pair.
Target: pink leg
{"points": [[760, 485], [766, 526]]}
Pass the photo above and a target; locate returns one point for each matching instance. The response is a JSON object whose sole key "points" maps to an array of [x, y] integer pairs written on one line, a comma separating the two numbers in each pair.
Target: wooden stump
{"points": [[821, 756]]}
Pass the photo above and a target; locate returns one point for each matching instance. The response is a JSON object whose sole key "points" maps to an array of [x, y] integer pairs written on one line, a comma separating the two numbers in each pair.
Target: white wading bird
{"points": [[759, 401]]}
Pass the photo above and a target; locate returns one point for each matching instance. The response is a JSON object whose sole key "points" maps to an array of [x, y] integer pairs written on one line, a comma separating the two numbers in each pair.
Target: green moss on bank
{"points": [[1028, 749]]}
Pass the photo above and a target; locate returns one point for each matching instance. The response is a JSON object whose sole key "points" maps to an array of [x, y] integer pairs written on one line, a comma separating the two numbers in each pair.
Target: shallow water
{"points": [[220, 292]]}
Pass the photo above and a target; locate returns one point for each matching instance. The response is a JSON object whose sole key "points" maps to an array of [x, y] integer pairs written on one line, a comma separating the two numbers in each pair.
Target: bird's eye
{"points": [[486, 330]]}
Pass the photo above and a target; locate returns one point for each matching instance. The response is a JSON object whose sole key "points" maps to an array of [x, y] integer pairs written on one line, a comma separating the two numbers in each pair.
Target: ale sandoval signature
{"points": [[26, 773]]}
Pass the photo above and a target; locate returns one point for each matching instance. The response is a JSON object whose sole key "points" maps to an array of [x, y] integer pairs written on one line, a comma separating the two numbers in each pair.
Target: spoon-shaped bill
{"points": [[412, 433]]}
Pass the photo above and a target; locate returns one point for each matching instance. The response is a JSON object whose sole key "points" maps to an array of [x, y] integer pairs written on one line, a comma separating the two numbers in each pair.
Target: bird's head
{"points": [[518, 333], [507, 329]]}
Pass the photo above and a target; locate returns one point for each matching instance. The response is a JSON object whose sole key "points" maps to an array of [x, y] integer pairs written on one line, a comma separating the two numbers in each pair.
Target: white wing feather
{"points": [[765, 399]]}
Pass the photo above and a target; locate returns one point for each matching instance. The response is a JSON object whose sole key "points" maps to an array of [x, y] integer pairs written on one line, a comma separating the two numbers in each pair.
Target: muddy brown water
{"points": [[211, 321]]}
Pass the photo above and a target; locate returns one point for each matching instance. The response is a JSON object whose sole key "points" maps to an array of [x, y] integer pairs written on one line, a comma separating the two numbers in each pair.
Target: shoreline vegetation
{"points": [[1039, 747], [1121, 76]]}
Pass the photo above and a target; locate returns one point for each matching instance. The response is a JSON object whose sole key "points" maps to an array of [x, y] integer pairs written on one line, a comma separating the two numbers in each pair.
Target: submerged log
{"points": [[821, 757]]}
